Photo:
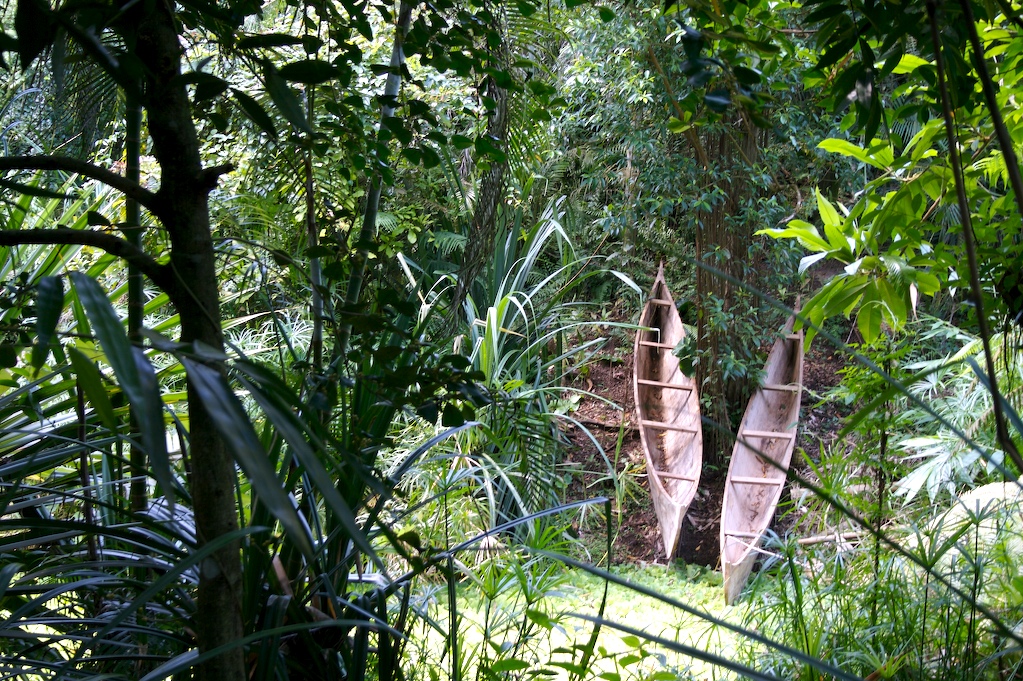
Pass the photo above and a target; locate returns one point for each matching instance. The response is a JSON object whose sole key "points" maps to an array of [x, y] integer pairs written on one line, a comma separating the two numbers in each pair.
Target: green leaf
{"points": [[827, 212], [397, 126], [285, 99], [273, 398], [208, 86], [36, 29], [309, 71], [878, 154], [268, 40], [96, 219], [909, 63], [8, 356], [746, 75], [718, 100], [234, 427], [894, 302], [539, 618], [526, 9], [134, 373], [802, 231], [150, 413], [676, 126], [927, 283], [92, 383], [868, 321], [431, 159], [255, 113], [509, 665], [451, 416], [606, 14], [49, 305]]}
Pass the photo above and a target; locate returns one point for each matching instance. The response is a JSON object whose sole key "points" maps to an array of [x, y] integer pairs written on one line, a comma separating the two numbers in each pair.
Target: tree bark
{"points": [[360, 258], [183, 208], [722, 245]]}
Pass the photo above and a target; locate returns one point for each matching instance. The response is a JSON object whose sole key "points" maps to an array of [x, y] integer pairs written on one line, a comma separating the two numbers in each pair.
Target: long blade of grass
{"points": [[291, 429], [241, 438], [135, 374], [748, 633]]}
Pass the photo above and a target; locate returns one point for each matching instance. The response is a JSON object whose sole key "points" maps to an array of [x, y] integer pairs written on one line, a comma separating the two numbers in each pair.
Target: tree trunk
{"points": [[722, 240], [184, 212], [480, 249]]}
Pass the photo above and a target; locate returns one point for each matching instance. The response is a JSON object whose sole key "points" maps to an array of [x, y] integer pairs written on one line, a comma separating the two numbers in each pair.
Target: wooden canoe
{"points": [[668, 412], [754, 484]]}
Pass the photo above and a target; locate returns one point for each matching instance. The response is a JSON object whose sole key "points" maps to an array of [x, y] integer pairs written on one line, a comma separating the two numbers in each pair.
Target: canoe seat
{"points": [[794, 336], [747, 480], [660, 301], [662, 384], [744, 535], [661, 425], [674, 476], [781, 387], [782, 434], [652, 344]]}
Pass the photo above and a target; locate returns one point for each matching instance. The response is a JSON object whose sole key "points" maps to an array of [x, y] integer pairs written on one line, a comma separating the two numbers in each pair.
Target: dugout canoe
{"points": [[760, 459], [668, 413]]}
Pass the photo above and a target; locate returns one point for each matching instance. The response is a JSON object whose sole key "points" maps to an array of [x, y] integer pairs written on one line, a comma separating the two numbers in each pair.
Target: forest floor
{"points": [[608, 413]]}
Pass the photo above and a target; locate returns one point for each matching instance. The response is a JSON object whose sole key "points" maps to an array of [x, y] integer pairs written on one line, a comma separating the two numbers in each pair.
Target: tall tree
{"points": [[141, 47], [148, 67]]}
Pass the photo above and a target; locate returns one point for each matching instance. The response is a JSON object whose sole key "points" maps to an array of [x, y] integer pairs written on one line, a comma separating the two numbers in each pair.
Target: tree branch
{"points": [[73, 165], [114, 245], [1004, 439]]}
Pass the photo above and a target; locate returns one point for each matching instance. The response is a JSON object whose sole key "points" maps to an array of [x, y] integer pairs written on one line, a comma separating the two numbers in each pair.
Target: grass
{"points": [[528, 619]]}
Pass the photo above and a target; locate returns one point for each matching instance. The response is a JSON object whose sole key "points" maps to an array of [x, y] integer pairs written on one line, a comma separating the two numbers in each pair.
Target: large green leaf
{"points": [[309, 71], [272, 398], [92, 383], [870, 316], [135, 374], [240, 437], [49, 305], [802, 231], [286, 100], [36, 29], [255, 113], [878, 155], [829, 215]]}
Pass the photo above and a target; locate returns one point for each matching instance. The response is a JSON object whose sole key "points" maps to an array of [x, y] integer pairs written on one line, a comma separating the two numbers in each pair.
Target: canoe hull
{"points": [[668, 411], [760, 460]]}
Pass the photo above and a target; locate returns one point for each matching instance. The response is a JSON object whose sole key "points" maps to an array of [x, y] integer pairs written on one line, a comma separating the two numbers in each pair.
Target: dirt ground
{"points": [[637, 537]]}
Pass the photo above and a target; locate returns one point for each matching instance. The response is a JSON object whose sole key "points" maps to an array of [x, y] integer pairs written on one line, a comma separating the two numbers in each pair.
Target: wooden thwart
{"points": [[660, 301], [661, 425], [747, 480], [780, 387], [652, 344], [783, 434], [663, 384], [674, 476], [744, 535]]}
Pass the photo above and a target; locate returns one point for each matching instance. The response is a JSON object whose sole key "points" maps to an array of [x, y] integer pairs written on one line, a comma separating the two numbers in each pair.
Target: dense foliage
{"points": [[293, 296]]}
